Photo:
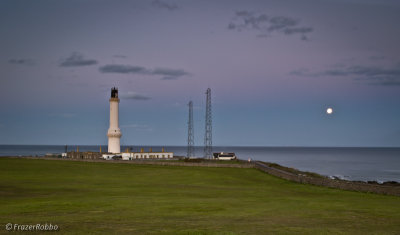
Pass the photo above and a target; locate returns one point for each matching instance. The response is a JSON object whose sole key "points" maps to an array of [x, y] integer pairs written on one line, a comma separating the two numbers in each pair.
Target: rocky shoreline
{"points": [[291, 174]]}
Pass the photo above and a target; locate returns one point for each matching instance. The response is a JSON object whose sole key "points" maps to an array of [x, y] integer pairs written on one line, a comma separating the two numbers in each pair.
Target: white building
{"points": [[110, 156], [114, 133], [224, 156], [147, 155]]}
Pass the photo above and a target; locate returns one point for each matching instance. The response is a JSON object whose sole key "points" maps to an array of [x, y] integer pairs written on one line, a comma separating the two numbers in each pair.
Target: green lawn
{"points": [[87, 197]]}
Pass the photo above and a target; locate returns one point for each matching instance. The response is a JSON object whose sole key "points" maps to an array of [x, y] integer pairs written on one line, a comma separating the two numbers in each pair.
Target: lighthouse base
{"points": [[114, 145]]}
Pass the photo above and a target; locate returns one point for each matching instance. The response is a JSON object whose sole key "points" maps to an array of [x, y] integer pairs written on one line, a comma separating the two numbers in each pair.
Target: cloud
{"points": [[21, 61], [120, 68], [169, 74], [75, 60], [166, 73], [265, 25], [169, 78], [277, 23], [373, 75], [134, 96], [164, 5], [302, 30]]}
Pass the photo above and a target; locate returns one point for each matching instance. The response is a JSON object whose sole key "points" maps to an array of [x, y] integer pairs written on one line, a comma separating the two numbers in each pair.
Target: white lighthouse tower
{"points": [[114, 133]]}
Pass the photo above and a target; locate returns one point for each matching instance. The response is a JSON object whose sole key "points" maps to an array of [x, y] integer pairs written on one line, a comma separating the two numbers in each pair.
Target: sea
{"points": [[349, 163]]}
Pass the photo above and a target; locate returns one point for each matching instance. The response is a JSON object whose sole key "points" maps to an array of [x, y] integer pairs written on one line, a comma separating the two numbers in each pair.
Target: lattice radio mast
{"points": [[208, 133], [190, 147]]}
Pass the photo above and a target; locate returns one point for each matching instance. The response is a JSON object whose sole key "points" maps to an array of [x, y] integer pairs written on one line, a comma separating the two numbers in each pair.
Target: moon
{"points": [[329, 110]]}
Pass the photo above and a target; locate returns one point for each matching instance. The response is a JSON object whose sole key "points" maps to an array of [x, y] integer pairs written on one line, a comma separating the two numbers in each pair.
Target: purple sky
{"points": [[273, 67]]}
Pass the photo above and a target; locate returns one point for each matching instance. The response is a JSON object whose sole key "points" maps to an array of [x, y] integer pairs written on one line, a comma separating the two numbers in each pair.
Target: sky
{"points": [[274, 67]]}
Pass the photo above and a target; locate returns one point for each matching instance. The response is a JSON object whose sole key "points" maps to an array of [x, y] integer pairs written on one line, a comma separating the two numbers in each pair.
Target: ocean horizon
{"points": [[351, 163]]}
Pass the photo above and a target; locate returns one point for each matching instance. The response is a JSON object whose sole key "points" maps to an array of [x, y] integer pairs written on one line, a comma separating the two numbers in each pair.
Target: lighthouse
{"points": [[114, 133]]}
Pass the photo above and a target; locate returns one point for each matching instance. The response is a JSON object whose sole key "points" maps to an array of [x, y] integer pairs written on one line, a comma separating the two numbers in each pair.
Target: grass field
{"points": [[87, 197]]}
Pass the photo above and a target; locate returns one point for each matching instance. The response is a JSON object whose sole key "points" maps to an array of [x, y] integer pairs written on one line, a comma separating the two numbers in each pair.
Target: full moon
{"points": [[329, 110]]}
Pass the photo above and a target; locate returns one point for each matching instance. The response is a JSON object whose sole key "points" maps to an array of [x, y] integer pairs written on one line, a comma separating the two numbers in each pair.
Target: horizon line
{"points": [[200, 146]]}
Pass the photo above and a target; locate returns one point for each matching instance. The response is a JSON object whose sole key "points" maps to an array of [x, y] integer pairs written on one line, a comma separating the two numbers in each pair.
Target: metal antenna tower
{"points": [[208, 133], [190, 149]]}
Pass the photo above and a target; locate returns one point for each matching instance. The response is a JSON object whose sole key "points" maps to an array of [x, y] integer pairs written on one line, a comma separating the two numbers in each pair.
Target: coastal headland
{"points": [[291, 174], [99, 197]]}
